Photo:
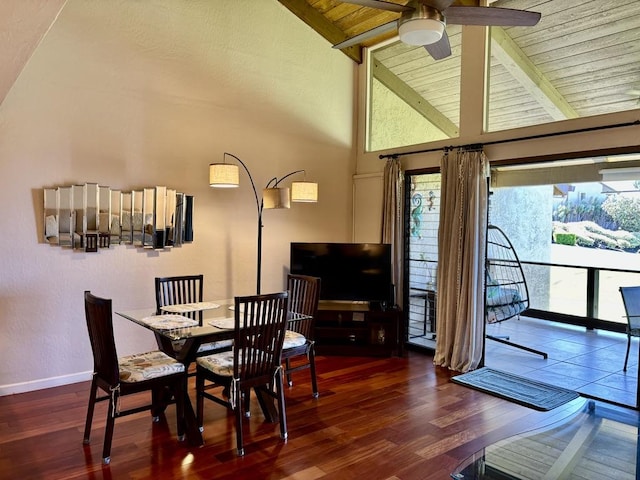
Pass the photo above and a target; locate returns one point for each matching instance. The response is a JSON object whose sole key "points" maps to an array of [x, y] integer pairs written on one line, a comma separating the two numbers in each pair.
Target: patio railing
{"points": [[580, 295]]}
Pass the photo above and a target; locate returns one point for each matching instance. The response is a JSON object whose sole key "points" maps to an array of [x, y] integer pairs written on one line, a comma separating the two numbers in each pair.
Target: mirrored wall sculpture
{"points": [[65, 217], [178, 220], [137, 217], [148, 208], [170, 213], [114, 216], [126, 217], [78, 212], [92, 217]]}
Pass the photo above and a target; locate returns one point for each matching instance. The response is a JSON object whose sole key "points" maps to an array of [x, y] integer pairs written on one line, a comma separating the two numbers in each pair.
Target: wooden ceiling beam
{"points": [[514, 60], [414, 99], [317, 21]]}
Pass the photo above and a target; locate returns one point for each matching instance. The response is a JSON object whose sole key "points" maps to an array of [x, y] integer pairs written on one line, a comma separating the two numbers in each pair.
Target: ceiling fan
{"points": [[423, 22]]}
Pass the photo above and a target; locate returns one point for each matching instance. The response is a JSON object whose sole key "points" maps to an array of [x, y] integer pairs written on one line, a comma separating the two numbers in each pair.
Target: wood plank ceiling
{"points": [[582, 59]]}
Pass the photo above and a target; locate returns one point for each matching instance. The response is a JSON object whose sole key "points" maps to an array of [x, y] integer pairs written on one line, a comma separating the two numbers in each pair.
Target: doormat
{"points": [[523, 391]]}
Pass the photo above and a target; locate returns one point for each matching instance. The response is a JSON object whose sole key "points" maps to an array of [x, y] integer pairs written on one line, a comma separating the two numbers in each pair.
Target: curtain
{"points": [[392, 220], [461, 251]]}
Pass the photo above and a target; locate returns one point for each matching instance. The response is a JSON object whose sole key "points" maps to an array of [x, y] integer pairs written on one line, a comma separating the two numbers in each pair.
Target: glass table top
{"points": [[598, 442]]}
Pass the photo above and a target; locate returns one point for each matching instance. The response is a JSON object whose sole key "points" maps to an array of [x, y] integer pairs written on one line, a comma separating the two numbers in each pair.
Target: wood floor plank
{"points": [[376, 418]]}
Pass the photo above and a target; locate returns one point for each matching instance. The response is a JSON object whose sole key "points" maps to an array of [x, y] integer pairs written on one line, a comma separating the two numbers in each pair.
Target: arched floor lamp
{"points": [[227, 175]]}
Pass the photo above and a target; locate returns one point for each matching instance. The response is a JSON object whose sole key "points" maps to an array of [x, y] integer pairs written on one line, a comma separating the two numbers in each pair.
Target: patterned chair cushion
{"points": [[205, 347], [293, 339], [145, 366], [218, 363]]}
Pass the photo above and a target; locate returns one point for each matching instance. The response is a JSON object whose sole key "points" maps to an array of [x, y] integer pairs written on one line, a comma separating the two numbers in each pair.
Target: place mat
{"points": [[228, 323], [523, 391], [168, 322], [189, 307]]}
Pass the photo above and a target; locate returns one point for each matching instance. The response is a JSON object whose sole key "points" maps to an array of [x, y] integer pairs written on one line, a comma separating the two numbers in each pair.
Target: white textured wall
{"points": [[133, 94]]}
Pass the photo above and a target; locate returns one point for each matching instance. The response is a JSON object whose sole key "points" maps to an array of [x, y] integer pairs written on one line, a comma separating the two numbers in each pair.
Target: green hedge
{"points": [[564, 238]]}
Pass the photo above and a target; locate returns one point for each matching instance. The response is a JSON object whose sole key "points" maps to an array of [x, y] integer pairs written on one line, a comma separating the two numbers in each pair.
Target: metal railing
{"points": [[580, 295]]}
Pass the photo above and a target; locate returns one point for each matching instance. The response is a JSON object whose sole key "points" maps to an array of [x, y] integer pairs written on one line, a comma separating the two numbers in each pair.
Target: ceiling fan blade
{"points": [[441, 49], [379, 4], [504, 17], [374, 32]]}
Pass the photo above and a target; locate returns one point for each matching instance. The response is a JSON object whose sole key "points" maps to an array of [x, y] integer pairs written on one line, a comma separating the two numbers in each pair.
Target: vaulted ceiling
{"points": [[338, 21], [582, 59]]}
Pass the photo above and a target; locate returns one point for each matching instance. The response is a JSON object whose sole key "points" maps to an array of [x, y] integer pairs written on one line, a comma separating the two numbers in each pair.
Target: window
{"points": [[580, 60], [413, 99]]}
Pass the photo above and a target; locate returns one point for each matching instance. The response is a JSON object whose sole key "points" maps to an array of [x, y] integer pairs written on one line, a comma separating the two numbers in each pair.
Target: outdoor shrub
{"points": [[564, 238], [624, 210], [585, 241]]}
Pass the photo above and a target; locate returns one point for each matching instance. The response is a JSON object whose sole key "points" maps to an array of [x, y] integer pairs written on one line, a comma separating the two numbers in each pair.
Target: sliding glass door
{"points": [[422, 217]]}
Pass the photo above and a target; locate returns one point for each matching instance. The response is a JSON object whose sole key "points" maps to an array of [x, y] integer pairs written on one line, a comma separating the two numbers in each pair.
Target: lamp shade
{"points": [[224, 175], [276, 198], [304, 192], [421, 31]]}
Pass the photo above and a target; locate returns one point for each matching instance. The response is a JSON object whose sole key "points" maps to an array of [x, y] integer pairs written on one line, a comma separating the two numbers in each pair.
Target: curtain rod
{"points": [[479, 146]]}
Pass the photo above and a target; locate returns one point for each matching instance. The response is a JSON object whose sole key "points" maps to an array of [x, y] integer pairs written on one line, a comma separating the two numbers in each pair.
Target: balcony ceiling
{"points": [[582, 59]]}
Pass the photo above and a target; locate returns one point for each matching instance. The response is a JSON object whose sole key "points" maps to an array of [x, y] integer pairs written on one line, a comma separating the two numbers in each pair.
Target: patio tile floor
{"points": [[589, 362]]}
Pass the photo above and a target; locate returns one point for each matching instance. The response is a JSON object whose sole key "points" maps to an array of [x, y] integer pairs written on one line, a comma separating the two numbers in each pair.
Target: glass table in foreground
{"points": [[599, 442]]}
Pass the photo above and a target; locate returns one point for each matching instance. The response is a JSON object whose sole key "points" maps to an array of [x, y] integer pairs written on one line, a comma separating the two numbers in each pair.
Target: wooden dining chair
{"points": [[254, 362], [116, 377], [631, 300], [304, 294], [179, 290]]}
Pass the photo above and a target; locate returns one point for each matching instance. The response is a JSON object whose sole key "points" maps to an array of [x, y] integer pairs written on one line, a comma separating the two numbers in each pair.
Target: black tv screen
{"points": [[349, 271]]}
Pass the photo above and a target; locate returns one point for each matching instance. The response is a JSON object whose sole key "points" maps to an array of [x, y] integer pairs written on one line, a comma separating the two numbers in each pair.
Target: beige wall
{"points": [[133, 94]]}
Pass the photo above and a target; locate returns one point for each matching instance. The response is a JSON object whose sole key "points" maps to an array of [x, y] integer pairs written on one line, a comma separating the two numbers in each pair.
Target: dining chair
{"points": [[116, 377], [631, 300], [304, 294], [253, 363], [179, 290]]}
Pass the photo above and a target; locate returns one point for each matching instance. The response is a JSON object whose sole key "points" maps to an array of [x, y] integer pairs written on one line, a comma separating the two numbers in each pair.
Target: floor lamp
{"points": [[227, 175]]}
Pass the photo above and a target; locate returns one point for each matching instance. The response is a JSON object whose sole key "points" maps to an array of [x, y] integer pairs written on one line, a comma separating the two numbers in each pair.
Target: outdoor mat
{"points": [[529, 393]]}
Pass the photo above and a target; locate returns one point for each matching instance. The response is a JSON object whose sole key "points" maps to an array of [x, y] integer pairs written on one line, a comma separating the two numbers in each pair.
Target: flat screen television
{"points": [[358, 272]]}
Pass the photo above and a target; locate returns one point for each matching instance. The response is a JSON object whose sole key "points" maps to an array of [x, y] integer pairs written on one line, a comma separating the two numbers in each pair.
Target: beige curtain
{"points": [[461, 250], [392, 219]]}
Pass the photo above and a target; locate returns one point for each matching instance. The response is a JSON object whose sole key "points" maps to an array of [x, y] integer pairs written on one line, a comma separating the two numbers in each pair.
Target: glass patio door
{"points": [[422, 217]]}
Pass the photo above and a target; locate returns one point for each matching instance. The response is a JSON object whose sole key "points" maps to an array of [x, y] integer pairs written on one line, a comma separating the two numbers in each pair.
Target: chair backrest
{"points": [[631, 300], [100, 325], [304, 294], [177, 290], [260, 325]]}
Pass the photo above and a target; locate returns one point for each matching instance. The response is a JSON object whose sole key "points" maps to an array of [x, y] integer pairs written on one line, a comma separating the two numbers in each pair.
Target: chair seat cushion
{"points": [[145, 366], [205, 347], [218, 363], [293, 339]]}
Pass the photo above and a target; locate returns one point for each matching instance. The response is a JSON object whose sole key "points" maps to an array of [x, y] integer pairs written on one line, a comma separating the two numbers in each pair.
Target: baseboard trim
{"points": [[24, 387]]}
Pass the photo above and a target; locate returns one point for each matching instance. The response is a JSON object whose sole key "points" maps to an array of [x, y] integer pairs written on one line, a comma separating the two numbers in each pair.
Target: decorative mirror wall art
{"points": [[89, 217]]}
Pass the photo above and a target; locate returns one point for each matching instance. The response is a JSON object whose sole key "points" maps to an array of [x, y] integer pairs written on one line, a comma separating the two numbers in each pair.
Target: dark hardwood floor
{"points": [[376, 418]]}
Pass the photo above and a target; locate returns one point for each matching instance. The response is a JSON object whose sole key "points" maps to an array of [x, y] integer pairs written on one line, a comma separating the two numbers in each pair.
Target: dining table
{"points": [[195, 324]]}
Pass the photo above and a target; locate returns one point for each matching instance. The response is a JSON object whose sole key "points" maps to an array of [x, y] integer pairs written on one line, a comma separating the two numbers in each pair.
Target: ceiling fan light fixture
{"points": [[422, 26], [421, 31]]}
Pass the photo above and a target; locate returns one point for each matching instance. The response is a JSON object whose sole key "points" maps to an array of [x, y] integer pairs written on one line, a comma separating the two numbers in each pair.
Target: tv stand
{"points": [[357, 329]]}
